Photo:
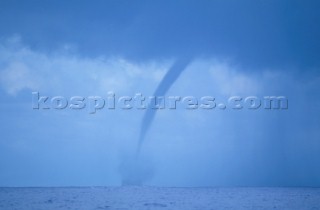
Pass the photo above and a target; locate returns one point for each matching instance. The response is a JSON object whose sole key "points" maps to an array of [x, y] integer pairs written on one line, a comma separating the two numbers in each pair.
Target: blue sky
{"points": [[89, 48]]}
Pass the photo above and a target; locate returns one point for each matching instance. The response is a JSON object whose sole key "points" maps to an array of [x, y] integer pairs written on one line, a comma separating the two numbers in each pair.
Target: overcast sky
{"points": [[88, 48]]}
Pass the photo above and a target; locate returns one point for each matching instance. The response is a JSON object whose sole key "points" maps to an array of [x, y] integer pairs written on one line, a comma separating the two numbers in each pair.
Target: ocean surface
{"points": [[140, 198]]}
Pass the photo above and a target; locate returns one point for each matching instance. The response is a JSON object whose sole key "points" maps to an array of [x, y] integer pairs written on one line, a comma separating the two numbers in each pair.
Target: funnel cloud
{"points": [[135, 171], [171, 76]]}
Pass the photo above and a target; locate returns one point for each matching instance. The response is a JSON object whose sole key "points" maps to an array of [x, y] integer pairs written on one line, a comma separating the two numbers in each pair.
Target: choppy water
{"points": [[159, 198]]}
